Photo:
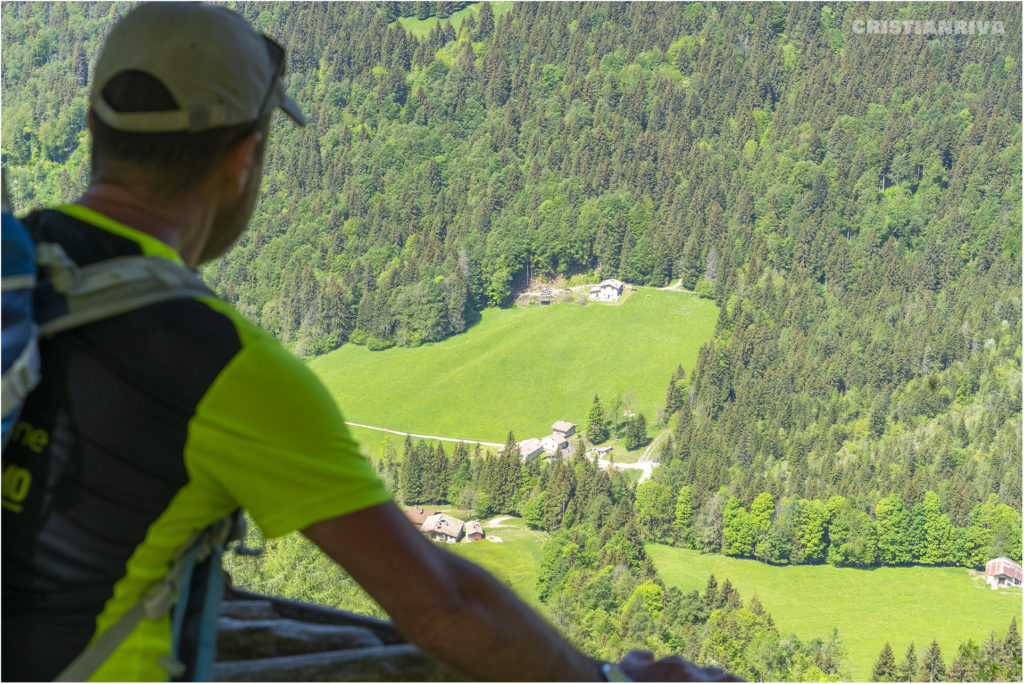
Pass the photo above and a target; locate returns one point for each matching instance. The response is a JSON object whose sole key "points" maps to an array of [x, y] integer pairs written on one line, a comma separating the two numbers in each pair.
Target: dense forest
{"points": [[556, 493], [851, 202]]}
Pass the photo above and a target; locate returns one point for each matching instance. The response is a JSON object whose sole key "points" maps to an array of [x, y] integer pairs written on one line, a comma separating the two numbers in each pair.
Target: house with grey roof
{"points": [[474, 530], [564, 427], [417, 515], [443, 527], [530, 448]]}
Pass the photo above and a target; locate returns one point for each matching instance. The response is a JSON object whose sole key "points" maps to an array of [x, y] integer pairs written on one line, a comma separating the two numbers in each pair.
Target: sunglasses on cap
{"points": [[276, 52]]}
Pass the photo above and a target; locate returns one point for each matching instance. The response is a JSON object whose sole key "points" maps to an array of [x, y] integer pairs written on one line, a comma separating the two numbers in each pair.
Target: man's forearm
{"points": [[490, 633], [449, 607]]}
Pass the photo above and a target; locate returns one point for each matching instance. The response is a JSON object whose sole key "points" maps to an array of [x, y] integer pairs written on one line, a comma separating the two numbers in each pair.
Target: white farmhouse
{"points": [[608, 290], [554, 441]]}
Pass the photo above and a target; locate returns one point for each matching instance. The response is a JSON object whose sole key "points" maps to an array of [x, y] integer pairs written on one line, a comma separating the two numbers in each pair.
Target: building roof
{"points": [[417, 514], [611, 282], [563, 426], [474, 527], [556, 437], [445, 524], [1004, 566], [530, 446]]}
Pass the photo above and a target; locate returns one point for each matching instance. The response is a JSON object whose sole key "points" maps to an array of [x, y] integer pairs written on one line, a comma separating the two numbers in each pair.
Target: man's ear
{"points": [[90, 120], [241, 162]]}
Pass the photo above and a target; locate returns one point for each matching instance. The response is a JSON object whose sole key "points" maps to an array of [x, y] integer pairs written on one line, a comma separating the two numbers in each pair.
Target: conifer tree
{"points": [[710, 596], [485, 21], [908, 666], [442, 475], [636, 432], [411, 475], [1012, 653], [674, 394], [964, 667], [596, 428], [885, 667], [682, 525], [460, 471], [728, 597], [932, 667]]}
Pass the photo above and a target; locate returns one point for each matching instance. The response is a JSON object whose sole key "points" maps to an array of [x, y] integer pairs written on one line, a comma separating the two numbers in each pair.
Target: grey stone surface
{"points": [[306, 612], [249, 639], [396, 663], [248, 610]]}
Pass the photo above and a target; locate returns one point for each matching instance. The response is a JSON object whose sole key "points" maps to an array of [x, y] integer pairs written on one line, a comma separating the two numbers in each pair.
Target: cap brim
{"points": [[291, 108]]}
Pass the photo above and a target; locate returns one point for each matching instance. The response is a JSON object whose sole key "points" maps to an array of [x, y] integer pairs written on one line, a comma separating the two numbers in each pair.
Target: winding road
{"points": [[644, 464]]}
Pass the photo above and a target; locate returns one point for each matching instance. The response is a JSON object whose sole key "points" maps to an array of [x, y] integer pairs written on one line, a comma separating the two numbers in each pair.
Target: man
{"points": [[153, 424]]}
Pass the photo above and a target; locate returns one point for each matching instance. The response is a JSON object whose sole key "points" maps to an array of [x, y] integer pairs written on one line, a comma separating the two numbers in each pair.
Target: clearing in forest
{"points": [[522, 369], [868, 606]]}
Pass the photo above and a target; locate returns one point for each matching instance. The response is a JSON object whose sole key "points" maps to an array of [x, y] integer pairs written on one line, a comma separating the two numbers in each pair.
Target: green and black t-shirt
{"points": [[146, 428]]}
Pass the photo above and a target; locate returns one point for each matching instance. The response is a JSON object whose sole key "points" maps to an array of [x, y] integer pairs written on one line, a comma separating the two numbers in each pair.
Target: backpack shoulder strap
{"points": [[108, 288], [20, 353], [170, 592], [18, 380]]}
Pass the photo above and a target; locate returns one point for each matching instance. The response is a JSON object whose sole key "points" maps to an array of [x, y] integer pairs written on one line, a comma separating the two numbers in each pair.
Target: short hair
{"points": [[176, 161]]}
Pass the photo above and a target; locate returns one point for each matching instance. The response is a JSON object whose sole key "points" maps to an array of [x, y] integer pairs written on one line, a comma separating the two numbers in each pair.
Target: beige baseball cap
{"points": [[219, 70]]}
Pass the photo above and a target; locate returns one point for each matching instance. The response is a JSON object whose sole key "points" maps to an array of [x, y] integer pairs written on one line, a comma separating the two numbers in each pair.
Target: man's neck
{"points": [[184, 225]]}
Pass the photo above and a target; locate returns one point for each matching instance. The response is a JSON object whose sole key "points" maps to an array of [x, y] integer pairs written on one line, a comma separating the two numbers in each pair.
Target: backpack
{"points": [[45, 293]]}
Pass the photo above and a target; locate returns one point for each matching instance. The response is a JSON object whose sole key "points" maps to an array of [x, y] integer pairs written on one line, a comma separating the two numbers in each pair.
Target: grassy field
{"points": [[422, 27], [869, 607], [522, 369]]}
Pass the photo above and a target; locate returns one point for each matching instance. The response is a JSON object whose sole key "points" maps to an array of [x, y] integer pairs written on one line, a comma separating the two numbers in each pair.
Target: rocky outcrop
{"points": [[268, 639]]}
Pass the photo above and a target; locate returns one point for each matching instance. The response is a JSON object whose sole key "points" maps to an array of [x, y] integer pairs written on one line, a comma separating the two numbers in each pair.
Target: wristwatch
{"points": [[613, 673]]}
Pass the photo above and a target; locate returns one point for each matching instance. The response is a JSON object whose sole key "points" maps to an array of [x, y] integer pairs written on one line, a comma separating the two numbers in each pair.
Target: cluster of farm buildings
{"points": [[533, 447], [444, 527], [608, 290]]}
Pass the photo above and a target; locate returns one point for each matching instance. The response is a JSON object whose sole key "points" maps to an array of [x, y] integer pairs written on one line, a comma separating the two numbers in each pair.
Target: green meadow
{"points": [[521, 369], [868, 607], [422, 27]]}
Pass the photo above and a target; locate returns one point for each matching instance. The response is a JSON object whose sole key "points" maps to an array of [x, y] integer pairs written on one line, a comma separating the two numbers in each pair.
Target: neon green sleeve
{"points": [[269, 436]]}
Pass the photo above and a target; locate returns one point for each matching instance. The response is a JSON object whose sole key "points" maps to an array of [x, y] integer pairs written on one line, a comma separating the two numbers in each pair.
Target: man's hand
{"points": [[640, 666]]}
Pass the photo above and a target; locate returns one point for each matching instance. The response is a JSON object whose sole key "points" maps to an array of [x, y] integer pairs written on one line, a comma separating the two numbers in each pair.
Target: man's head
{"points": [[181, 91]]}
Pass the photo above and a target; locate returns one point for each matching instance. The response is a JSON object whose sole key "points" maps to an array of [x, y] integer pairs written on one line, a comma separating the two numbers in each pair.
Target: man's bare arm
{"points": [[449, 607]]}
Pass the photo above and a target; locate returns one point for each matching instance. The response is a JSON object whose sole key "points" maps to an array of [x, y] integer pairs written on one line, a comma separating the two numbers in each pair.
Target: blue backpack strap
{"points": [[20, 332], [194, 621], [173, 592], [206, 648]]}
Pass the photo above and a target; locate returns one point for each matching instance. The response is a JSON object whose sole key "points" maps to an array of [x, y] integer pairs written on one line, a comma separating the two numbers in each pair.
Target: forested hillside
{"points": [[852, 202]]}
